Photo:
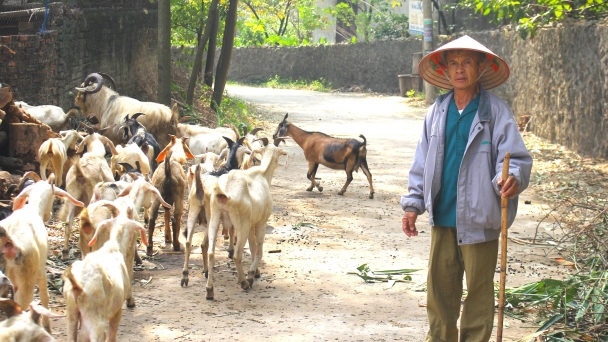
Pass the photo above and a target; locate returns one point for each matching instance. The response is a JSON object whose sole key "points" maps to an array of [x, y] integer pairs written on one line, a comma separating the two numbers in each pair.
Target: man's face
{"points": [[463, 68]]}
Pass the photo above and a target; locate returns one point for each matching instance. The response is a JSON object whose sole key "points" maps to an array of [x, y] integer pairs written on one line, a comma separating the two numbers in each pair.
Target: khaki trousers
{"points": [[447, 264]]}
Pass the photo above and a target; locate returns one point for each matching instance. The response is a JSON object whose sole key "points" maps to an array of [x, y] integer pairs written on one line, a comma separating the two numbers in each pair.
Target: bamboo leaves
{"points": [[388, 276]]}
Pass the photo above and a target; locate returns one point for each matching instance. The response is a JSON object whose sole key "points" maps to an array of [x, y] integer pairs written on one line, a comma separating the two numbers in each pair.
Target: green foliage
{"points": [[235, 111], [188, 19], [527, 16], [277, 22], [278, 82], [364, 272]]}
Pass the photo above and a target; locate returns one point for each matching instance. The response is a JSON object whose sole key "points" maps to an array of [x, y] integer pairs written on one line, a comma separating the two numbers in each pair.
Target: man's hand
{"points": [[509, 188], [409, 223]]}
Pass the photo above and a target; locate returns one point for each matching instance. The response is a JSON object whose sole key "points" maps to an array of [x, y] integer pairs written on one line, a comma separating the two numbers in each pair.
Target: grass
{"points": [[278, 82]]}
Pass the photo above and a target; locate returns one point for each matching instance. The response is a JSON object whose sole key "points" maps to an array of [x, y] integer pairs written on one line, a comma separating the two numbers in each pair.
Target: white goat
{"points": [[110, 108], [24, 242], [52, 116], [129, 154], [22, 326], [241, 199], [82, 177], [205, 139], [96, 287], [55, 152]]}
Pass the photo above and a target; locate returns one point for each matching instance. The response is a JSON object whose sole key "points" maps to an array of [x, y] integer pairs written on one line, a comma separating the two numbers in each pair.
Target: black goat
{"points": [[141, 137]]}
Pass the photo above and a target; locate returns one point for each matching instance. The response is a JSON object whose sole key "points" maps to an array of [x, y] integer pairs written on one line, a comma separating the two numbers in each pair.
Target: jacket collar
{"points": [[485, 107]]}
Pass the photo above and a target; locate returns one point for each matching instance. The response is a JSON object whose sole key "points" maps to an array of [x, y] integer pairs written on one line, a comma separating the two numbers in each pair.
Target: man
{"points": [[456, 177]]}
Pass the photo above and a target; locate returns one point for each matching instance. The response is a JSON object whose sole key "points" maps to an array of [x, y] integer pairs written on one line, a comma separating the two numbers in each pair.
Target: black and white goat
{"points": [[141, 137]]}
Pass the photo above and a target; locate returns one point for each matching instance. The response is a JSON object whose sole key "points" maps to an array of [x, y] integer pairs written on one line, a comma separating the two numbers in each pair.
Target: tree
{"points": [[198, 60], [223, 65], [164, 52], [527, 16]]}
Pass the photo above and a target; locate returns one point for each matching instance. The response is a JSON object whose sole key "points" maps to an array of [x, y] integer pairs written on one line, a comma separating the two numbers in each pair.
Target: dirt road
{"points": [[304, 293]]}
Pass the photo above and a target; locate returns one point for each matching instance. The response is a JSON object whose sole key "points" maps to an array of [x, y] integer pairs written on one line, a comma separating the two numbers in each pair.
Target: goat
{"points": [[337, 154], [96, 287], [199, 205], [179, 149], [23, 239], [24, 327], [128, 154], [250, 137], [55, 152], [170, 179], [82, 177], [52, 116], [205, 139], [94, 97], [140, 137], [243, 197], [7, 290]]}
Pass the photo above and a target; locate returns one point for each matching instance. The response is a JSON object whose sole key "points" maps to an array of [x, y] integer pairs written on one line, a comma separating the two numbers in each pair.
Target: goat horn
{"points": [[285, 118], [277, 141], [256, 130], [244, 129], [32, 175], [109, 78], [263, 140], [113, 209], [228, 140], [89, 129], [127, 166], [136, 115], [92, 77], [103, 130], [138, 168]]}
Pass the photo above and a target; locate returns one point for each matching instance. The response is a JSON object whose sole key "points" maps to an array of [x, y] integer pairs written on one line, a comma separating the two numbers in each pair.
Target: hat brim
{"points": [[432, 71]]}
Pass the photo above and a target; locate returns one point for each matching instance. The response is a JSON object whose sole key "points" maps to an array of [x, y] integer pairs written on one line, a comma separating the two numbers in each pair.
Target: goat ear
{"points": [[126, 191], [38, 310], [163, 154], [229, 141], [84, 142], [108, 143], [142, 231], [10, 307], [151, 189], [130, 213], [105, 224], [240, 141], [187, 151], [66, 195], [20, 200], [285, 118], [133, 175]]}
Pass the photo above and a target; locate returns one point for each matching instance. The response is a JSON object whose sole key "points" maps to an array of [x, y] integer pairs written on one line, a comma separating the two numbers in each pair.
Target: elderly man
{"points": [[456, 177]]}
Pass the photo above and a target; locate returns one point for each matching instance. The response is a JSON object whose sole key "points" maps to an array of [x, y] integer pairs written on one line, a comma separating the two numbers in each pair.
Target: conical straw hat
{"points": [[433, 71]]}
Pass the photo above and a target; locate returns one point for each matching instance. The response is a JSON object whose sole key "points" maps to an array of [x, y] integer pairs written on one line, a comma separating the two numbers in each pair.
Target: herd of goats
{"points": [[228, 183]]}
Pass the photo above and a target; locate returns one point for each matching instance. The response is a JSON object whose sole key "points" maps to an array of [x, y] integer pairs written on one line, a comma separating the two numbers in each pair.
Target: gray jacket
{"points": [[493, 133]]}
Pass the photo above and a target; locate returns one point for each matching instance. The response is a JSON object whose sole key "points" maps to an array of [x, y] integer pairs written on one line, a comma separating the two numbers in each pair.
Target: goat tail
{"points": [[199, 183], [364, 140], [68, 277], [167, 193]]}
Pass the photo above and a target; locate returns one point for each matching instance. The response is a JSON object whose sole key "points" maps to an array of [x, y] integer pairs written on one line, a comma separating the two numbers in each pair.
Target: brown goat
{"points": [[337, 154], [170, 179]]}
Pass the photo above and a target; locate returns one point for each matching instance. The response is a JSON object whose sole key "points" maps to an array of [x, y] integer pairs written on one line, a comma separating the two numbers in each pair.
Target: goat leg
{"points": [[189, 232], [368, 174], [151, 224], [167, 226], [177, 216], [312, 171]]}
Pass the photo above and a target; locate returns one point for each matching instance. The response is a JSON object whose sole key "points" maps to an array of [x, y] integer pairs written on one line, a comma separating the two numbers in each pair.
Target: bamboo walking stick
{"points": [[503, 250]]}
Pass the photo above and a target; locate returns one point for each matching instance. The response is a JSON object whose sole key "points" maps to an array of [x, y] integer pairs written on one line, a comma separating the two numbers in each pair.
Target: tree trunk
{"points": [[210, 62], [164, 52], [223, 66], [198, 61]]}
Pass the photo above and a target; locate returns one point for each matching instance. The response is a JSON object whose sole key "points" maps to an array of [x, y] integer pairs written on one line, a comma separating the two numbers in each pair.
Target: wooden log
{"points": [[24, 140], [6, 95]]}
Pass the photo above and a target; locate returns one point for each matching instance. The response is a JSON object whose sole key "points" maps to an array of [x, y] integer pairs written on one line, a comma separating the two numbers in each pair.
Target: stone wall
{"points": [[118, 41], [370, 66], [560, 78], [32, 70]]}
